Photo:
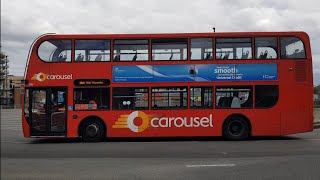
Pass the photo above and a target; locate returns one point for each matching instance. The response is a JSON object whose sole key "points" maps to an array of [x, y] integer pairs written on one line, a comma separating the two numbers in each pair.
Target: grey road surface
{"points": [[289, 157]]}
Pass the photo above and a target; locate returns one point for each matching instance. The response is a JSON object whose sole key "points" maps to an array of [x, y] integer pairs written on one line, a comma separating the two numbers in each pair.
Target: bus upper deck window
{"points": [[201, 49], [131, 50], [92, 50], [266, 48], [55, 51], [233, 48], [169, 49], [292, 48]]}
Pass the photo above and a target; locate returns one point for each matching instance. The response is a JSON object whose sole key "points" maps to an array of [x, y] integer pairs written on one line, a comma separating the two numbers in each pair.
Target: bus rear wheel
{"points": [[236, 128], [92, 130]]}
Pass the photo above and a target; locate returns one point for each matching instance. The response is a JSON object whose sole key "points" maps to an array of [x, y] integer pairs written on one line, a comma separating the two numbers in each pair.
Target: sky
{"points": [[22, 21]]}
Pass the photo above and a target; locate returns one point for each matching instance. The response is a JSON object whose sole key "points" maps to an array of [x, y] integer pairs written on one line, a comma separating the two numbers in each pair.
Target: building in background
{"points": [[11, 87], [16, 90], [4, 88]]}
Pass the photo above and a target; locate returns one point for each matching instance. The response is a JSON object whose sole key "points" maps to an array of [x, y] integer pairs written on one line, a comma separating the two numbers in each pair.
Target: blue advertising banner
{"points": [[195, 73]]}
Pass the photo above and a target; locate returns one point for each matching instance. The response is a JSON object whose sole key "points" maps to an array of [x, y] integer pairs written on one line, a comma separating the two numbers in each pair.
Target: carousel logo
{"points": [[42, 76], [156, 121], [128, 121]]}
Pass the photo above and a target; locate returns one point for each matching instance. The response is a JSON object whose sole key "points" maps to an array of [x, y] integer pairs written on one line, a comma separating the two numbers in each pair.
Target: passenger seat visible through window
{"points": [[98, 58]]}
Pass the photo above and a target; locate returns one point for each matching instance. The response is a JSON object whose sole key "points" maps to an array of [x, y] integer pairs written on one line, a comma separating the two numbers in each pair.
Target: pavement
{"points": [[287, 157]]}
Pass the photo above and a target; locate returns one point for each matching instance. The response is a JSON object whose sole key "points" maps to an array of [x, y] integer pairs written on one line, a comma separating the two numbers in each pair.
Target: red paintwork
{"points": [[292, 114]]}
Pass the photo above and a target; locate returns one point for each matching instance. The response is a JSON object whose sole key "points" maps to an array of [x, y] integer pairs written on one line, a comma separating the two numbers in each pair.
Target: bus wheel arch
{"points": [[92, 129], [236, 127]]}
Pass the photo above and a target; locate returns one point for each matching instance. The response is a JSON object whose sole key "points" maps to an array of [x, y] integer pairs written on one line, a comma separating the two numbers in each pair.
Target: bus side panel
{"points": [[25, 126], [266, 122], [166, 127], [72, 124], [295, 116], [72, 119]]}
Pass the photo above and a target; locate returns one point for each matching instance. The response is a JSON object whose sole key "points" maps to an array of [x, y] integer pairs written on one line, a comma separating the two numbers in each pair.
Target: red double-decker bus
{"points": [[234, 85]]}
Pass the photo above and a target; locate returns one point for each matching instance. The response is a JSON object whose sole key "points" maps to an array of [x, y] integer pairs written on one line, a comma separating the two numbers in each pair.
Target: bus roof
{"points": [[161, 35]]}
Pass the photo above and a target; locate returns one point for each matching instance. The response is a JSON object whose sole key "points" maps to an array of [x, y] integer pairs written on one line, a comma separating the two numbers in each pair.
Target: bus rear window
{"points": [[55, 51]]}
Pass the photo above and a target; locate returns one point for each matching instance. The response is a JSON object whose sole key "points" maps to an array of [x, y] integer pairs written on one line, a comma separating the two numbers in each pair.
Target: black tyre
{"points": [[92, 130], [236, 128]]}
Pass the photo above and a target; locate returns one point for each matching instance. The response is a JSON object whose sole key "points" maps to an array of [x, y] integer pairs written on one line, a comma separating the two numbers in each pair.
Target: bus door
{"points": [[48, 111]]}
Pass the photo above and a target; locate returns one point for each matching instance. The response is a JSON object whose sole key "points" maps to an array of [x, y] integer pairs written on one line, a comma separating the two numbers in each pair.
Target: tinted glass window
{"points": [[165, 98], [92, 50], [38, 109], [55, 51], [91, 98], [131, 50], [169, 49], [233, 48], [201, 97], [26, 103], [130, 98], [201, 48], [292, 48], [266, 47], [234, 97], [266, 96]]}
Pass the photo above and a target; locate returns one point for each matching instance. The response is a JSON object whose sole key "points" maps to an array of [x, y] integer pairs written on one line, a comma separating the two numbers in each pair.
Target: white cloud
{"points": [[23, 21]]}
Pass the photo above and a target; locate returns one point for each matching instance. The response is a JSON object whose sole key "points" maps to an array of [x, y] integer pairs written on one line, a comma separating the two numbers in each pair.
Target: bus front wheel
{"points": [[92, 130], [236, 128]]}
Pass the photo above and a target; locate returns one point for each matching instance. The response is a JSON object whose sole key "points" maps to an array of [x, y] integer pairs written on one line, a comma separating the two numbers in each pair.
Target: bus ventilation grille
{"points": [[301, 71]]}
